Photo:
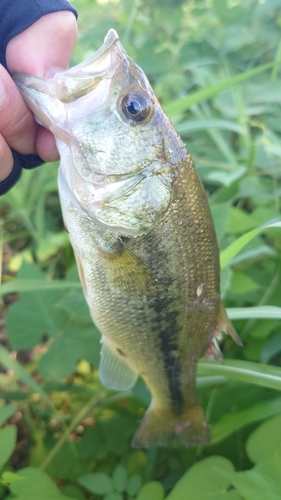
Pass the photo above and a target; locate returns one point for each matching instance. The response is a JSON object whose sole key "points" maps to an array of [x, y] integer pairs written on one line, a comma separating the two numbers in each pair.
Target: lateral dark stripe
{"points": [[167, 329]]}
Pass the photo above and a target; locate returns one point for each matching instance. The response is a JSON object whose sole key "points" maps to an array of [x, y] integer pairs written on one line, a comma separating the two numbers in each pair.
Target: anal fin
{"points": [[115, 372], [213, 351]]}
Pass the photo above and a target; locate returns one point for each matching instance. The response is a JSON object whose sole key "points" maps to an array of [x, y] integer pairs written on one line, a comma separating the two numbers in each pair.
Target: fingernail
{"points": [[3, 93]]}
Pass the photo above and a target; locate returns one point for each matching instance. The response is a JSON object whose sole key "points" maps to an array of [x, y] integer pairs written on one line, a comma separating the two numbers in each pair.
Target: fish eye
{"points": [[135, 106]]}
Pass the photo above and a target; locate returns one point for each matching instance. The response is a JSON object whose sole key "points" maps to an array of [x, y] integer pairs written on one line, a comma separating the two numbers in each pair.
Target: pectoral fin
{"points": [[115, 373], [126, 271]]}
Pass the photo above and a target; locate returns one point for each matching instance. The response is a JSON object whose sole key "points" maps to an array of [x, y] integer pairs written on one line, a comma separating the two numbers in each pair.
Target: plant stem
{"points": [[277, 61], [264, 300], [88, 408], [131, 19]]}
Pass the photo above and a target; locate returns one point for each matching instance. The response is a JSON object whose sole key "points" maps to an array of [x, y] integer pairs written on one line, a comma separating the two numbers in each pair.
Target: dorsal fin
{"points": [[224, 325]]}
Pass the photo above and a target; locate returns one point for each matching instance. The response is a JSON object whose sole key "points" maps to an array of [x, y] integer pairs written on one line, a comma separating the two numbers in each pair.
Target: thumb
{"points": [[48, 43], [40, 50]]}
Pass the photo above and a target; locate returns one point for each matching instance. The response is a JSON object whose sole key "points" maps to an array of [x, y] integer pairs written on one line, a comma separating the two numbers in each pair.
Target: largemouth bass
{"points": [[142, 233]]}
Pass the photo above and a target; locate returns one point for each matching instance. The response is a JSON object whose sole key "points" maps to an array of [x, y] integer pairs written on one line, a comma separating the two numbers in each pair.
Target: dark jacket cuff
{"points": [[20, 161]]}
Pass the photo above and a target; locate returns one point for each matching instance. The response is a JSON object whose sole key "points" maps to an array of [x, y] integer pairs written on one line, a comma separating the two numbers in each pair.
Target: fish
{"points": [[142, 233]]}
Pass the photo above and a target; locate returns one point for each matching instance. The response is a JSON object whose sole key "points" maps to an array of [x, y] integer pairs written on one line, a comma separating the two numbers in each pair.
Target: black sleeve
{"points": [[15, 17]]}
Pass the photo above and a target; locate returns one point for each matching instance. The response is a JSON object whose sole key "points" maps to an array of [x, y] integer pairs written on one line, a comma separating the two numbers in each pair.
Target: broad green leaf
{"points": [[3, 491], [243, 371], [240, 221], [35, 311], [263, 482], [22, 374], [203, 482], [32, 318], [10, 477], [51, 244], [256, 312], [241, 283], [36, 485], [152, 490], [265, 441], [75, 305], [117, 432], [134, 484], [120, 478], [73, 491], [86, 449], [6, 412], [73, 343], [8, 437], [98, 482], [64, 463], [232, 422], [271, 467], [113, 495], [185, 103], [234, 248], [264, 92]]}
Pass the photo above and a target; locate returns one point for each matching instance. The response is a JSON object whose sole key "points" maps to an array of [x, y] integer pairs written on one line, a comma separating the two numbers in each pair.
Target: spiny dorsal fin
{"points": [[115, 373]]}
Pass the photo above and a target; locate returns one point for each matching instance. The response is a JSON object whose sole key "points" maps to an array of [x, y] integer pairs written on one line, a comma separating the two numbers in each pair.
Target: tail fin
{"points": [[159, 426]]}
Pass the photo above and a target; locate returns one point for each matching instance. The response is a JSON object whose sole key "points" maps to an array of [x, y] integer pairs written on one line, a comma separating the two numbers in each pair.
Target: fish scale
{"points": [[142, 233]]}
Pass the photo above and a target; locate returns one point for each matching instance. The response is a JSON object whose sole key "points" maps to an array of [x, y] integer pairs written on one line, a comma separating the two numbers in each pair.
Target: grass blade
{"points": [[28, 285], [258, 312], [181, 105], [195, 125], [234, 248], [244, 371]]}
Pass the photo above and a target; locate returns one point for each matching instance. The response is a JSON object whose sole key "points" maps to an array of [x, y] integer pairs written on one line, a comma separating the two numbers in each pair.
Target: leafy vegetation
{"points": [[215, 66]]}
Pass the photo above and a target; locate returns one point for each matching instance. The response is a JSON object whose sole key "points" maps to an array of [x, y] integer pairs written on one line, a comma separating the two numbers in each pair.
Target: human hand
{"points": [[40, 50]]}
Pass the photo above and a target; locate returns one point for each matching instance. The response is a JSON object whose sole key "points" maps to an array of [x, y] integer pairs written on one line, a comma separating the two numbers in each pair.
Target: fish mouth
{"points": [[76, 82], [110, 40]]}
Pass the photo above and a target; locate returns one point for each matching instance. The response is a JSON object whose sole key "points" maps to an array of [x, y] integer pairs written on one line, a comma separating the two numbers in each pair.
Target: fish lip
{"points": [[32, 82], [110, 40]]}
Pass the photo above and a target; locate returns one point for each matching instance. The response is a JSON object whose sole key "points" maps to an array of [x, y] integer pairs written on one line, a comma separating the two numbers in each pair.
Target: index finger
{"points": [[17, 124]]}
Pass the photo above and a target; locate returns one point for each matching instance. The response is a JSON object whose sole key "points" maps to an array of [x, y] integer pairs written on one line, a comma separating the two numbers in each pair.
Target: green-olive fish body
{"points": [[141, 229]]}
